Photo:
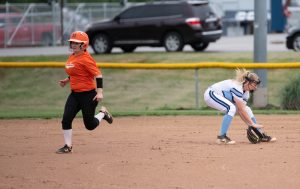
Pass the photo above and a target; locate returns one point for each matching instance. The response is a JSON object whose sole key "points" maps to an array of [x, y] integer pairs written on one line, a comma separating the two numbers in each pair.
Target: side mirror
{"points": [[2, 25]]}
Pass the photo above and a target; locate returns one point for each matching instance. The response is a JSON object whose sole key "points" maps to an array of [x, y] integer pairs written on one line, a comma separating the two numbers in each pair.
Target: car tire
{"points": [[128, 49], [296, 42], [173, 42], [201, 46], [101, 44], [47, 39]]}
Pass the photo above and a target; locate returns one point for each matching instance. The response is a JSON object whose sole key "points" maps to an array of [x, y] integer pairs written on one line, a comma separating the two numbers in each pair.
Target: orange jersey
{"points": [[82, 70]]}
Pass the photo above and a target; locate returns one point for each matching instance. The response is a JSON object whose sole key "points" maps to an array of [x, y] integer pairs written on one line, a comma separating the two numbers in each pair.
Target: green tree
{"points": [[291, 95]]}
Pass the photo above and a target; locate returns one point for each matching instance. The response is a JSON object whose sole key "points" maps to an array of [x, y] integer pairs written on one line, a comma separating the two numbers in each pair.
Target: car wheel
{"points": [[296, 42], [101, 44], [128, 49], [47, 39], [201, 46], [173, 42]]}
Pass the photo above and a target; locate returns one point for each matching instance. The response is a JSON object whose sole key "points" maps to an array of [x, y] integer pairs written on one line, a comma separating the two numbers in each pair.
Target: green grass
{"points": [[35, 92]]}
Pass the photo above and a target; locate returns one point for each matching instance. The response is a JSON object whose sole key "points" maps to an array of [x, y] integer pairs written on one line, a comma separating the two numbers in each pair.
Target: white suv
{"points": [[293, 28]]}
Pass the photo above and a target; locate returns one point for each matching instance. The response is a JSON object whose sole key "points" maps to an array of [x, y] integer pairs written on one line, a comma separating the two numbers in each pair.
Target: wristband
{"points": [[99, 82]]}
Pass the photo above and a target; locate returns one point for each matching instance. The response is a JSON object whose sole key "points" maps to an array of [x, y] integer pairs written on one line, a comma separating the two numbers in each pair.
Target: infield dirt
{"points": [[170, 152]]}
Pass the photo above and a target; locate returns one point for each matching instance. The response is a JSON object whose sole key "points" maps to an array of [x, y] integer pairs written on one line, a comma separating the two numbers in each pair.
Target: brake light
{"points": [[194, 22]]}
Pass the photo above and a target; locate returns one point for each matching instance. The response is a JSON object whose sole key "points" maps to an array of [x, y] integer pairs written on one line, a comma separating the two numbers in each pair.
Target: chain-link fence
{"points": [[51, 24], [43, 24]]}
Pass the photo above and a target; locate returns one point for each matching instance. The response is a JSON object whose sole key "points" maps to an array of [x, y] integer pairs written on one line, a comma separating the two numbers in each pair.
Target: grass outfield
{"points": [[35, 92]]}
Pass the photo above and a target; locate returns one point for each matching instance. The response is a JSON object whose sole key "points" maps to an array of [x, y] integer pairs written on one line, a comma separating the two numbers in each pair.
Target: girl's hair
{"points": [[243, 75]]}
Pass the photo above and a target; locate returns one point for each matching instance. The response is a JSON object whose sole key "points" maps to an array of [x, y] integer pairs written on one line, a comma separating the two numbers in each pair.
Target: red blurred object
{"points": [[18, 31]]}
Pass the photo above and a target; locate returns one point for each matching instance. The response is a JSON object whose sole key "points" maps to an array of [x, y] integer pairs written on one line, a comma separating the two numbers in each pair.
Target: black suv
{"points": [[171, 24]]}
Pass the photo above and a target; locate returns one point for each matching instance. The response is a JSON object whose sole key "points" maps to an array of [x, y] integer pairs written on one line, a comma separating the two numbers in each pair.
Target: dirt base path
{"points": [[172, 152]]}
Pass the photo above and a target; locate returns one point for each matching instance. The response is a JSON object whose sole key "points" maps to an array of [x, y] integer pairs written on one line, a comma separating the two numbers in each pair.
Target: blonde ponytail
{"points": [[243, 75]]}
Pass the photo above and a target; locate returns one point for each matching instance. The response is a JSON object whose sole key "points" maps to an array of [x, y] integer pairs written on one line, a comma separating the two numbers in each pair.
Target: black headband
{"points": [[251, 80]]}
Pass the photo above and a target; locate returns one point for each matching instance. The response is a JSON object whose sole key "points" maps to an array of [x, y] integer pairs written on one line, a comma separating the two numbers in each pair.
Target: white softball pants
{"points": [[219, 102]]}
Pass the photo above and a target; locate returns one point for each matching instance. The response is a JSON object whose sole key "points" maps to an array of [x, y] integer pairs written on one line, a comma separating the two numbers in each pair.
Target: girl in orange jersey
{"points": [[86, 89]]}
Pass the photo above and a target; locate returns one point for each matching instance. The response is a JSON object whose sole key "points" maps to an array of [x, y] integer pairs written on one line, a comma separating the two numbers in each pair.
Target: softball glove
{"points": [[254, 135]]}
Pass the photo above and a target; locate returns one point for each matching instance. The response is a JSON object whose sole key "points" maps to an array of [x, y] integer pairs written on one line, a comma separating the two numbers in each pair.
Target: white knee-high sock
{"points": [[68, 137], [99, 116]]}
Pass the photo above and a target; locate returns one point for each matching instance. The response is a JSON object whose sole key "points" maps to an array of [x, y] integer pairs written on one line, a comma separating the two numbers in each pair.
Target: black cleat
{"points": [[64, 150], [107, 116], [267, 138], [223, 139]]}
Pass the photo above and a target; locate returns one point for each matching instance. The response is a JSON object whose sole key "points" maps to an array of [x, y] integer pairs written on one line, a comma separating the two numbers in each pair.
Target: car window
{"points": [[134, 12], [151, 11], [161, 10], [2, 23], [15, 20], [201, 11], [170, 10]]}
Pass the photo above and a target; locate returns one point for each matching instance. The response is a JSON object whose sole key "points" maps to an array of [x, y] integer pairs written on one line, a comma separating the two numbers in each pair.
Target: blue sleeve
{"points": [[228, 95]]}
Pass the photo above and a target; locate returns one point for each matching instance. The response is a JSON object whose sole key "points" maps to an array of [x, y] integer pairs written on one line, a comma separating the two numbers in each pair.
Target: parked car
{"points": [[293, 39], [293, 29], [172, 24], [16, 30]]}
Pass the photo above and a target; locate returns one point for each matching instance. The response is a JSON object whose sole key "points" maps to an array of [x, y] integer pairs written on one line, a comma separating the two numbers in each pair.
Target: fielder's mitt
{"points": [[253, 135]]}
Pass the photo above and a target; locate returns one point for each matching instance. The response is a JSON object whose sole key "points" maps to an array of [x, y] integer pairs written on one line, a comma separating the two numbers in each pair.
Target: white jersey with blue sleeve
{"points": [[230, 88], [246, 96]]}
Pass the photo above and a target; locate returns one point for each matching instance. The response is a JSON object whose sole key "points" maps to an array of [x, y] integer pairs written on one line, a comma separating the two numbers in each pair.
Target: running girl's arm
{"points": [[63, 82], [99, 84]]}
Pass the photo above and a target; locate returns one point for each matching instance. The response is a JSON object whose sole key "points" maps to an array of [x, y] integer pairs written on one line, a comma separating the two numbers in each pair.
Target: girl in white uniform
{"points": [[231, 96]]}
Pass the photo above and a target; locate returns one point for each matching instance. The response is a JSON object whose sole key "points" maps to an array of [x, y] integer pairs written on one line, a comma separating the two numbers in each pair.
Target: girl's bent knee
{"points": [[232, 111]]}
